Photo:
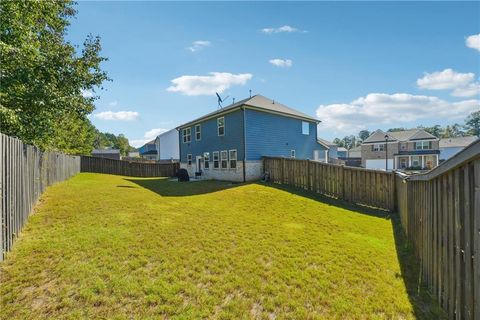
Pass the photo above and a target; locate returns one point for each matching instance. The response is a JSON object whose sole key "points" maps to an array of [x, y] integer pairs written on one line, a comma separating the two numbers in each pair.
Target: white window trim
{"points": [[218, 127], [189, 159], [197, 132], [184, 135], [293, 153], [206, 159], [218, 159], [230, 158], [379, 145], [308, 128], [423, 142], [222, 159]]}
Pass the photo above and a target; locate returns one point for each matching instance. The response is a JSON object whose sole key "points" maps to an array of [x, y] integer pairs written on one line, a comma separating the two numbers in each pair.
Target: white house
{"points": [[451, 146], [167, 145]]}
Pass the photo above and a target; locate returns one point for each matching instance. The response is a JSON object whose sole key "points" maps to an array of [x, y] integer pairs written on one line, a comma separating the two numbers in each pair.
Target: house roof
{"points": [[327, 144], [105, 151], [357, 148], [341, 149], [457, 142], [404, 135], [258, 102]]}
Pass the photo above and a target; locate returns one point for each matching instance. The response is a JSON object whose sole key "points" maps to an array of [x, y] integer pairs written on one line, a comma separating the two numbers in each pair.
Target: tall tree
{"points": [[472, 124], [43, 77], [364, 134]]}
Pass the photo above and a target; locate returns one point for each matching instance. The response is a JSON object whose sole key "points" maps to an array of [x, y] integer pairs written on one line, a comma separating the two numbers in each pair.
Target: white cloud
{"points": [[378, 109], [283, 63], [473, 89], [120, 115], [148, 136], [473, 41], [113, 103], [446, 79], [462, 83], [207, 85], [199, 45], [87, 93], [283, 29]]}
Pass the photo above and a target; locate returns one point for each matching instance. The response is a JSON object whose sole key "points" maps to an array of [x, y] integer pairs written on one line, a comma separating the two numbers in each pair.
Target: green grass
{"points": [[102, 246]]}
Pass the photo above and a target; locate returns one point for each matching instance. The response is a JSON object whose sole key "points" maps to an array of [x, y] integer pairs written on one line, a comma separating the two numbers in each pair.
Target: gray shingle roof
{"points": [[457, 142], [404, 135], [260, 102], [325, 142]]}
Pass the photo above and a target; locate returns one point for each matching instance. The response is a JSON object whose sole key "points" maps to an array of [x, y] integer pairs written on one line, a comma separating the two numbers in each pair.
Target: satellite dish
{"points": [[220, 100]]}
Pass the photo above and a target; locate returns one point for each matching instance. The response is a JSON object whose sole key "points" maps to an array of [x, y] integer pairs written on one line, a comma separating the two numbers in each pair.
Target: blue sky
{"points": [[353, 65]]}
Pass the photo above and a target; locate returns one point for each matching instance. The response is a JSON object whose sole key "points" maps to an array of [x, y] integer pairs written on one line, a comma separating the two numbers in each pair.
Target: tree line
{"points": [[471, 127], [44, 79]]}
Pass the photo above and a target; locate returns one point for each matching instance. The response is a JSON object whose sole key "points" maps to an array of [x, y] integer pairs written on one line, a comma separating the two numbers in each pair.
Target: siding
{"points": [[210, 141], [168, 146], [274, 135]]}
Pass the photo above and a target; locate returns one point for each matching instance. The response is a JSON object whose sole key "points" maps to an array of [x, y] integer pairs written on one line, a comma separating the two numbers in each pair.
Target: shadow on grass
{"points": [[169, 188], [424, 305]]}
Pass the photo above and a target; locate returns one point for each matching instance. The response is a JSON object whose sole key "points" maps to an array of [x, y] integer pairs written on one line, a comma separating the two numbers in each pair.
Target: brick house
{"points": [[409, 149]]}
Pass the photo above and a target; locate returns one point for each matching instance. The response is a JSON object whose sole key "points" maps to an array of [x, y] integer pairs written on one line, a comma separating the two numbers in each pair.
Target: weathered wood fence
{"points": [[440, 213], [25, 172], [362, 186], [128, 168]]}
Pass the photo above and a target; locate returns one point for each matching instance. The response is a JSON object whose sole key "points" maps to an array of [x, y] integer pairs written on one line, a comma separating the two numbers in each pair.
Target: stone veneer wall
{"points": [[254, 171]]}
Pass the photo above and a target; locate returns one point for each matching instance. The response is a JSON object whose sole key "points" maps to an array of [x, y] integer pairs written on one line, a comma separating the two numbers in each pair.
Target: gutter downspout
{"points": [[244, 146]]}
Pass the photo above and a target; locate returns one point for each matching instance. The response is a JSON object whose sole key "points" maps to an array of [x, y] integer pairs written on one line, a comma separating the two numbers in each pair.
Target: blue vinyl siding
{"points": [[275, 135], [210, 141]]}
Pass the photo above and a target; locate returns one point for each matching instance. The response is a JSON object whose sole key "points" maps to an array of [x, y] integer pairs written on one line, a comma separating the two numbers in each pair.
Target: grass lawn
{"points": [[103, 246]]}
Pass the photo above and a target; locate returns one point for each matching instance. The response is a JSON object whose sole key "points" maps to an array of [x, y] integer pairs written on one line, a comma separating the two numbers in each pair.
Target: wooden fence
{"points": [[440, 213], [25, 172], [128, 168], [362, 186]]}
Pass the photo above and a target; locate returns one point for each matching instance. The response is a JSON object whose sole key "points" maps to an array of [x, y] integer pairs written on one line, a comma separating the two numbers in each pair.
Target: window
{"points": [[198, 132], [378, 147], [215, 160], [224, 159], [233, 159], [206, 160], [422, 145], [189, 159], [292, 153], [416, 161], [221, 126], [187, 135], [305, 128]]}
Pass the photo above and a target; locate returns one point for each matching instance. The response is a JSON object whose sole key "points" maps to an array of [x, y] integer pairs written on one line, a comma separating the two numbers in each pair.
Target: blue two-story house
{"points": [[229, 144]]}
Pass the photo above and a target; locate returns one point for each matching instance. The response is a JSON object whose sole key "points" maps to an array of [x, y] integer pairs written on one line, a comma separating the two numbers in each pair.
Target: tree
{"points": [[472, 124], [396, 129], [435, 130], [43, 77], [364, 134]]}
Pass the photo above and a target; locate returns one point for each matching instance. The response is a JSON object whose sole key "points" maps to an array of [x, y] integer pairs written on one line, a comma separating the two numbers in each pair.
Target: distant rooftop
{"points": [[404, 135], [260, 102], [457, 142]]}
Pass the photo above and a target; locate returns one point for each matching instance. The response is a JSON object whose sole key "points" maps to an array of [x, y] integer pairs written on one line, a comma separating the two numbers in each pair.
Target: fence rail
{"points": [[127, 168], [25, 172], [362, 186], [440, 213]]}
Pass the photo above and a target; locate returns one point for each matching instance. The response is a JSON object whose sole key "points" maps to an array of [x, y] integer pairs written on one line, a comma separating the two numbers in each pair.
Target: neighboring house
{"points": [[330, 150], [355, 152], [342, 152], [106, 153], [167, 146], [451, 146], [148, 151], [409, 149], [228, 144], [133, 154]]}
